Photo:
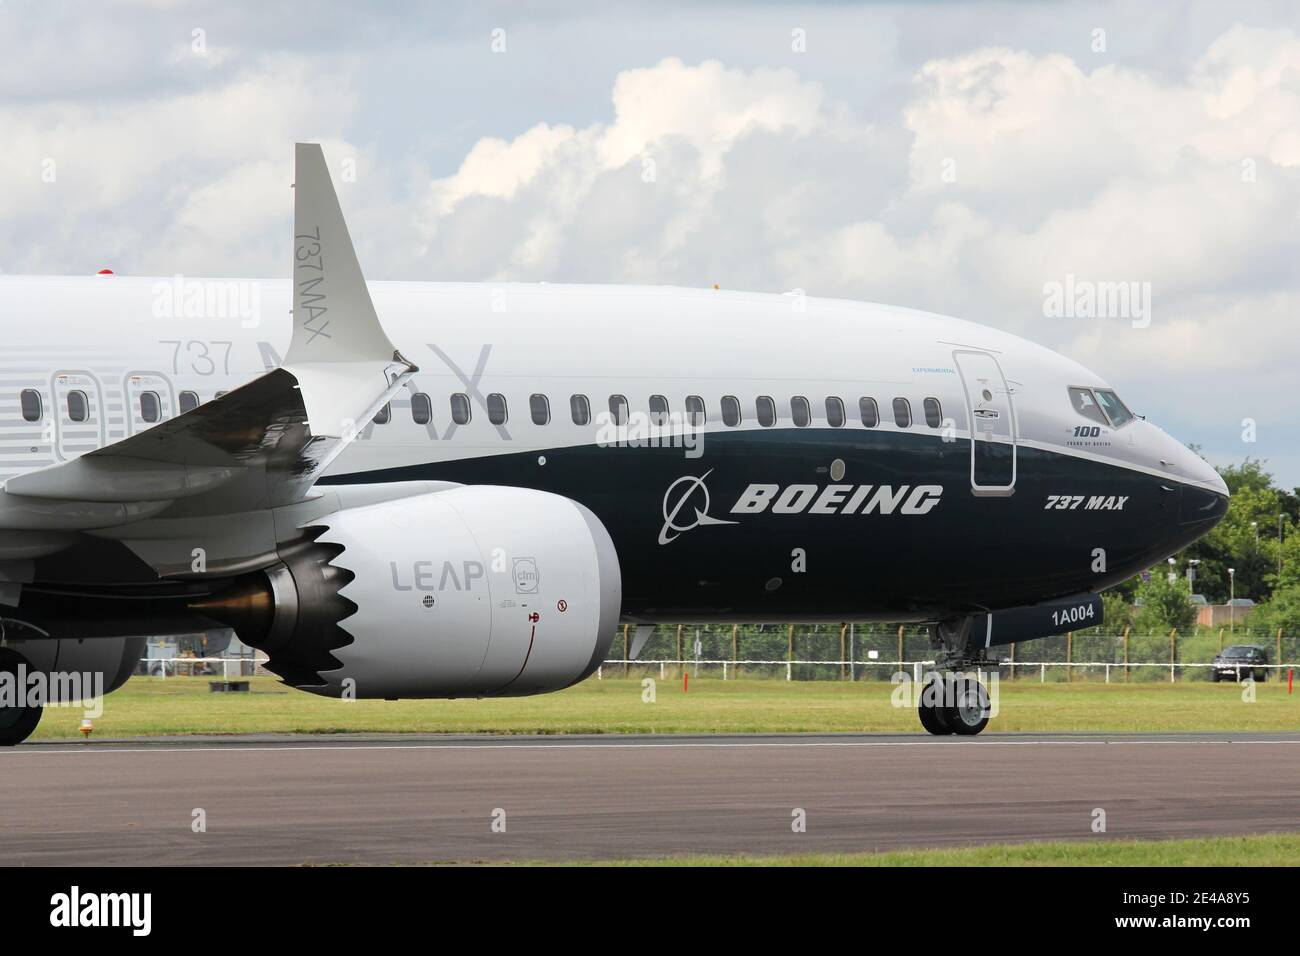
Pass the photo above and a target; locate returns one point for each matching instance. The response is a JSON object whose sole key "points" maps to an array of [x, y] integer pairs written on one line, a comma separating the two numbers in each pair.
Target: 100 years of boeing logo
{"points": [[686, 502]]}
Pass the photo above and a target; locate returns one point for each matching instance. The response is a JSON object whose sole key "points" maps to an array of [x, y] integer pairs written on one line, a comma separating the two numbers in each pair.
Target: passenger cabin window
{"points": [[384, 415], [30, 400], [933, 412], [695, 412], [730, 411], [496, 408], [835, 412], [580, 409], [189, 401], [765, 410], [658, 410], [421, 409], [869, 412], [540, 408], [1086, 405], [78, 406], [902, 413], [618, 409], [150, 407], [1115, 410], [800, 412], [460, 408]]}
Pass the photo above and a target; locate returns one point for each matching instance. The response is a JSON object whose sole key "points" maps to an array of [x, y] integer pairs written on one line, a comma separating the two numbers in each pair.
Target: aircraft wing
{"points": [[261, 445]]}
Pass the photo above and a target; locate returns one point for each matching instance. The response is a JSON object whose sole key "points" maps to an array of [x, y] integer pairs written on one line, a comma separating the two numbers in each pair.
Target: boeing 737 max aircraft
{"points": [[456, 490]]}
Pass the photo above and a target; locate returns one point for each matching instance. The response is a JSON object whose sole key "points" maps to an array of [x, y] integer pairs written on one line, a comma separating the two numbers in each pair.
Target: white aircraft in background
{"points": [[458, 490]]}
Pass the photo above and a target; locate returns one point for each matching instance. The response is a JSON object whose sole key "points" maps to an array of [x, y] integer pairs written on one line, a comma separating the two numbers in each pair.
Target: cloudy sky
{"points": [[952, 157]]}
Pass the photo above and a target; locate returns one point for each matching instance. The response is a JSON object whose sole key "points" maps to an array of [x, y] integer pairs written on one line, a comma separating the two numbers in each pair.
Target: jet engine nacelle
{"points": [[472, 592]]}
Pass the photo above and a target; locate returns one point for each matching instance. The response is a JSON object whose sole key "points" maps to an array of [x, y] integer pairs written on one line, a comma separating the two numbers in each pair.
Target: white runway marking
{"points": [[84, 749]]}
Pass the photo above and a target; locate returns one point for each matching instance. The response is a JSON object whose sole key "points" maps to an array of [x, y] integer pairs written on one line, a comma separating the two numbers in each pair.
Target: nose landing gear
{"points": [[954, 703], [954, 700]]}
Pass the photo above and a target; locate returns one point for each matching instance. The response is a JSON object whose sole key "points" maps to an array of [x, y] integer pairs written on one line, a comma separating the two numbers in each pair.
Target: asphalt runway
{"points": [[428, 799]]}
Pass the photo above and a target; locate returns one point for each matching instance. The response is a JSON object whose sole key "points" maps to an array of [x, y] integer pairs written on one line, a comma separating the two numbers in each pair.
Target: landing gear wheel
{"points": [[934, 716], [969, 711], [16, 723]]}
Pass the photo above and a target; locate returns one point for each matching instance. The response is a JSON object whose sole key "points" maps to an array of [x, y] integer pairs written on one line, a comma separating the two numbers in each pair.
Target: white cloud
{"points": [[760, 179], [663, 156]]}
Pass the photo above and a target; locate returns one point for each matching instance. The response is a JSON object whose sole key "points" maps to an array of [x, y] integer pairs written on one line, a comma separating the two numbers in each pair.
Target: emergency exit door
{"points": [[79, 417]]}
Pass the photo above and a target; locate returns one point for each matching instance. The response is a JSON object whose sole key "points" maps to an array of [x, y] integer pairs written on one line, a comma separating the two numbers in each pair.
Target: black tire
{"points": [[1261, 676], [933, 718], [16, 723], [1215, 676], [970, 711]]}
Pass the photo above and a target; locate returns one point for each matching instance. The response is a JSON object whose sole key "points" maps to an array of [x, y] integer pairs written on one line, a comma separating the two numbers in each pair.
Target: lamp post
{"points": [[1173, 572], [1232, 596], [1191, 581]]}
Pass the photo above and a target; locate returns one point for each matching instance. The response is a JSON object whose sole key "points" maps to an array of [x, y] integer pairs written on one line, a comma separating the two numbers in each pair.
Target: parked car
{"points": [[1238, 661]]}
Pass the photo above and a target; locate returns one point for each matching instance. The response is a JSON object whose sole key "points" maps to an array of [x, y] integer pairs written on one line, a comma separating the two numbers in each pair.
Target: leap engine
{"points": [[472, 592]]}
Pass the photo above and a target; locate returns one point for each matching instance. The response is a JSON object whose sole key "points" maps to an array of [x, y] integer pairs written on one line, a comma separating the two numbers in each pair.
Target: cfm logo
{"points": [[686, 502], [526, 576]]}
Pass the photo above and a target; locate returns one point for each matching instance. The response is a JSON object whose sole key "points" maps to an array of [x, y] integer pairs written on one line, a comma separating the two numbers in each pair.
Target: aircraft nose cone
{"points": [[1183, 464], [1207, 476], [1205, 497], [1220, 487], [1202, 493]]}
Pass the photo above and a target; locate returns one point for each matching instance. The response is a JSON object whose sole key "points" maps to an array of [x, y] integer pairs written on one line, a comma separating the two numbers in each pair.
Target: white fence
{"points": [[917, 667], [237, 664]]}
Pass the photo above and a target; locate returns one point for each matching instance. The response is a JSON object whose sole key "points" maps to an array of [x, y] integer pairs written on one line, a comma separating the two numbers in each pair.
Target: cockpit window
{"points": [[1115, 410], [1086, 405]]}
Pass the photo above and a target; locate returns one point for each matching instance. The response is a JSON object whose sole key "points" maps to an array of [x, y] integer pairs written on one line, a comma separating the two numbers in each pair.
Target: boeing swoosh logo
{"points": [[680, 494]]}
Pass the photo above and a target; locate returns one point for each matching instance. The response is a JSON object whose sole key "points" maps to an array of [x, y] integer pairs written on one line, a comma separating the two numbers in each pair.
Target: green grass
{"points": [[1273, 849], [183, 705]]}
